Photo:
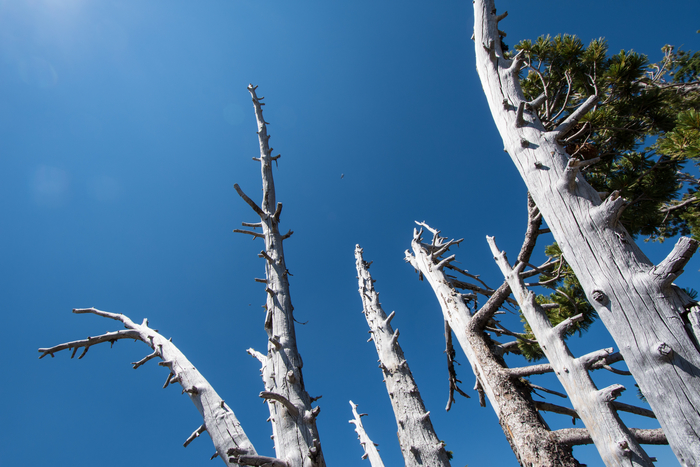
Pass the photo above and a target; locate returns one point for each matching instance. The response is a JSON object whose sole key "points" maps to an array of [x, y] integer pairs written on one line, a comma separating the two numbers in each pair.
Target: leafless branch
{"points": [[450, 352], [180, 371], [370, 448]]}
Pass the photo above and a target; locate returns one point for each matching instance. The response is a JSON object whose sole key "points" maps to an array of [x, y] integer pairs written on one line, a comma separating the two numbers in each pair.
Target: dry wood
{"points": [[419, 443], [219, 420], [293, 419], [616, 445], [370, 448], [634, 299], [509, 397]]}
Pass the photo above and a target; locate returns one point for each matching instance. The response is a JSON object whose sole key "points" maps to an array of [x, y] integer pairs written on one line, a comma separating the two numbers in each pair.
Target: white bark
{"points": [[522, 425], [293, 419], [219, 420], [419, 443], [370, 448], [616, 445], [633, 298]]}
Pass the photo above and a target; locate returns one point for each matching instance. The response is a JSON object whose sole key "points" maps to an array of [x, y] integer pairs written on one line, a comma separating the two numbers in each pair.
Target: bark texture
{"points": [[530, 439], [419, 443], [615, 443], [219, 420], [579, 436], [370, 448], [634, 299], [293, 419]]}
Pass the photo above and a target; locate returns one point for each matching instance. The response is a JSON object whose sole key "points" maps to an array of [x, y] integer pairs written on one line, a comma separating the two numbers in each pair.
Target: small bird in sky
{"points": [[342, 175]]}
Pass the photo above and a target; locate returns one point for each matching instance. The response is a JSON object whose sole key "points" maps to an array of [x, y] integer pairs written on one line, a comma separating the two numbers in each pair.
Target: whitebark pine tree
{"points": [[371, 451], [635, 299], [293, 419]]}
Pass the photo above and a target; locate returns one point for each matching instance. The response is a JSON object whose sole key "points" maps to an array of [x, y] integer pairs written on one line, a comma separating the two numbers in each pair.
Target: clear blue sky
{"points": [[125, 124]]}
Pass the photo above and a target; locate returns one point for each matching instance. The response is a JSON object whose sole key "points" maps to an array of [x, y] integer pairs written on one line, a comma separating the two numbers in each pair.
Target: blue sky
{"points": [[125, 124]]}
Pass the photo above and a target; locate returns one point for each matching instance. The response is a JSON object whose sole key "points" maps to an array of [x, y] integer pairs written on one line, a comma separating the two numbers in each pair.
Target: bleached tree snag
{"points": [[219, 420], [510, 398], [616, 445], [635, 300], [293, 419], [419, 443], [371, 451]]}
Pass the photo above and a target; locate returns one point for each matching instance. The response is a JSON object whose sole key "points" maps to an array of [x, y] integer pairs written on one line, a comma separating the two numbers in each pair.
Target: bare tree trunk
{"points": [[634, 298], [615, 443], [532, 442], [370, 448], [293, 419], [219, 420], [419, 443]]}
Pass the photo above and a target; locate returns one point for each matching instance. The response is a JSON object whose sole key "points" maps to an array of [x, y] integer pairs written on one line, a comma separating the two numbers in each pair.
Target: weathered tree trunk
{"points": [[419, 443], [531, 441], [219, 420], [615, 443], [293, 419], [370, 448], [634, 299]]}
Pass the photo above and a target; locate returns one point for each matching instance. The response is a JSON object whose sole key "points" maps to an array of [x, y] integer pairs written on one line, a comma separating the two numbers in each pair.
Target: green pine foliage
{"points": [[644, 133], [683, 144], [641, 129]]}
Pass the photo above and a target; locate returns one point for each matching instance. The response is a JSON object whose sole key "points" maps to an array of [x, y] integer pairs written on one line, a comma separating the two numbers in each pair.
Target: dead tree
{"points": [[533, 443], [419, 443], [635, 299], [293, 419], [219, 420], [614, 441]]}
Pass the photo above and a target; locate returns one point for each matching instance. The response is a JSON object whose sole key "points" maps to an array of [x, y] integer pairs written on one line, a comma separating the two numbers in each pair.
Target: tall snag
{"points": [[419, 443], [635, 299], [293, 419]]}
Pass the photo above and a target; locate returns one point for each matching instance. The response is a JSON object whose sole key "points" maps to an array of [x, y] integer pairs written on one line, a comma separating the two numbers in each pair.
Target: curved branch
{"points": [[219, 420]]}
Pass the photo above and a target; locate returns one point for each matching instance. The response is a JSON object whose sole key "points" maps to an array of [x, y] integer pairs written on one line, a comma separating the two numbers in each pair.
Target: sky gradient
{"points": [[125, 124]]}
